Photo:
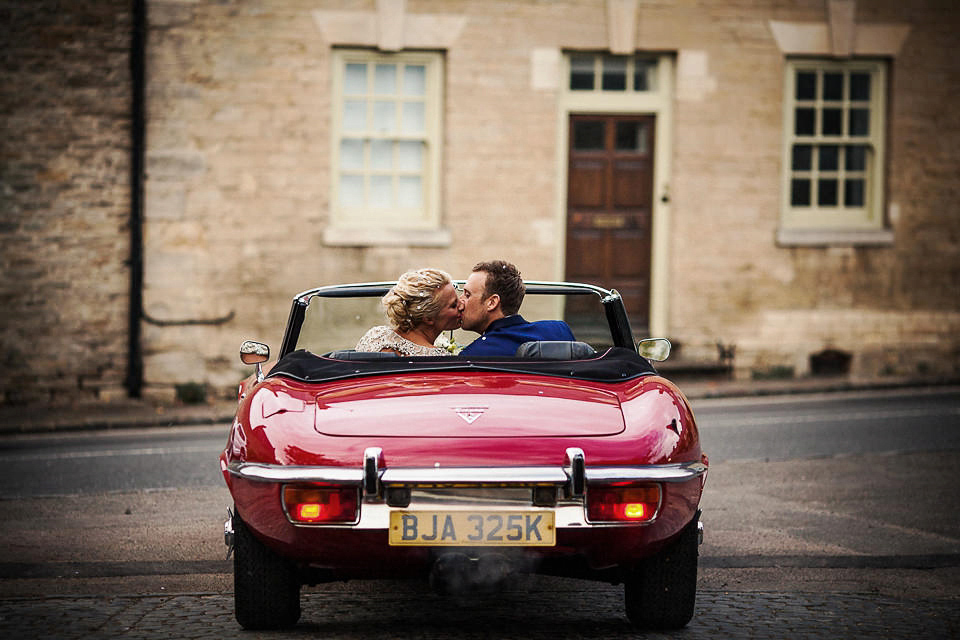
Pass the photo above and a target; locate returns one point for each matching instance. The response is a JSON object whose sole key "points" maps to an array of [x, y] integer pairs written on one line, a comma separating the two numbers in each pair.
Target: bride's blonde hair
{"points": [[415, 297]]}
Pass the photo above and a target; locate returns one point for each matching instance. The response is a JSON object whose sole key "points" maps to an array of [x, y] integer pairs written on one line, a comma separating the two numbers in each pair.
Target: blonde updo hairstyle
{"points": [[415, 297]]}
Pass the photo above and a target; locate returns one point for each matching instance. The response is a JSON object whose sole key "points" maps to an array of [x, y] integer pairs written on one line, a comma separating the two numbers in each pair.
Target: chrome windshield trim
{"points": [[475, 475], [283, 473], [374, 289], [680, 472]]}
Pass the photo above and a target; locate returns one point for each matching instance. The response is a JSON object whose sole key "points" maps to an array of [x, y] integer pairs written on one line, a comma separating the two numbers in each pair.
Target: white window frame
{"points": [[815, 224], [365, 223]]}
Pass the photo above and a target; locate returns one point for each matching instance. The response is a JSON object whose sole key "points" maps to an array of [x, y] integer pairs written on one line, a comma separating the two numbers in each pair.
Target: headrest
{"points": [[556, 350]]}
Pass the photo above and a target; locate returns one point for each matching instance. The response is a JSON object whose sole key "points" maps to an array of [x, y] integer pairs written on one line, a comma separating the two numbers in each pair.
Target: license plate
{"points": [[472, 528]]}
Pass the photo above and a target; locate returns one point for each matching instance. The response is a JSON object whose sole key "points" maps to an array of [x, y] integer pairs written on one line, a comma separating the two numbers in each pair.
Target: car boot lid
{"points": [[435, 408]]}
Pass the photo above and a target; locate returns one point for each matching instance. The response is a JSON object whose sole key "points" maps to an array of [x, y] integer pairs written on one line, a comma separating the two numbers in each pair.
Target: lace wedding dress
{"points": [[382, 337]]}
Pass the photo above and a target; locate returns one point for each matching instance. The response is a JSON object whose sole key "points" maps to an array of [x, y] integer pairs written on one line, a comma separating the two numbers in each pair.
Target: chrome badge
{"points": [[470, 414]]}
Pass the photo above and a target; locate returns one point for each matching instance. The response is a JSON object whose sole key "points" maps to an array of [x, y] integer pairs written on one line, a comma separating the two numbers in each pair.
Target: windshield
{"points": [[335, 323]]}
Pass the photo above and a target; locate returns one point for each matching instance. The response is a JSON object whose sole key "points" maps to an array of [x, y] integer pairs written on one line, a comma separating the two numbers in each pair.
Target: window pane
{"points": [[581, 73], [827, 193], [830, 146], [806, 85], [409, 192], [853, 193], [385, 79], [832, 124], [859, 122], [614, 74], [644, 75], [856, 159], [384, 116], [351, 154], [833, 86], [805, 118], [859, 86], [355, 79], [351, 191], [414, 117], [354, 115], [588, 136], [802, 157], [381, 192], [632, 136], [383, 139], [415, 80], [800, 192], [409, 155], [381, 154], [829, 157]]}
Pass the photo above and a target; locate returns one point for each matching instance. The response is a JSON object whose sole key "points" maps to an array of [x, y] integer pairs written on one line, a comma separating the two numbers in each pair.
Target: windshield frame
{"points": [[616, 315]]}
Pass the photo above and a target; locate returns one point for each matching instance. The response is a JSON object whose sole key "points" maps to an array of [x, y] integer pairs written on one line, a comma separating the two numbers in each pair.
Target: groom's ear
{"points": [[493, 301]]}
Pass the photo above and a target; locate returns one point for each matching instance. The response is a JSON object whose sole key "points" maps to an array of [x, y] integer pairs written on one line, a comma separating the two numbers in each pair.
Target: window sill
{"points": [[353, 237], [834, 237]]}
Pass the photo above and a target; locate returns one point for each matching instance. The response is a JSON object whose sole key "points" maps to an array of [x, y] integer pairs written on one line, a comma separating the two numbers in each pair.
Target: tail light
{"points": [[320, 505], [623, 504]]}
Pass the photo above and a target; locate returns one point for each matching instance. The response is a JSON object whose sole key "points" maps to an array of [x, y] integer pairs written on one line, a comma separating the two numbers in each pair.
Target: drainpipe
{"points": [[134, 382]]}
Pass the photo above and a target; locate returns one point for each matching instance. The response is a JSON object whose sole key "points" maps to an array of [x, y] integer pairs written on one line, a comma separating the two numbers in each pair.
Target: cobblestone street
{"points": [[560, 610]]}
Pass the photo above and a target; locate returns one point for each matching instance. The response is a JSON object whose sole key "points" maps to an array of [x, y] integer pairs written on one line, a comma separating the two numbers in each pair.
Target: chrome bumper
{"points": [[680, 472], [570, 480]]}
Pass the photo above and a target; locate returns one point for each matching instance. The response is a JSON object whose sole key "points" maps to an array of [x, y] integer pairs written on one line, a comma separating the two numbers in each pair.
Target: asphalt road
{"points": [[837, 513], [94, 462], [830, 425], [754, 429]]}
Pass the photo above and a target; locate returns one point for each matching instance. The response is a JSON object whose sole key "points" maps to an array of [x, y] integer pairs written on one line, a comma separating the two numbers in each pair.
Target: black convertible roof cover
{"points": [[616, 364]]}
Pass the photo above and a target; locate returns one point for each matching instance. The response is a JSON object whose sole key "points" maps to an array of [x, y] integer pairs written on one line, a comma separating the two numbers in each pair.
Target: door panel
{"points": [[609, 204], [589, 245], [586, 188]]}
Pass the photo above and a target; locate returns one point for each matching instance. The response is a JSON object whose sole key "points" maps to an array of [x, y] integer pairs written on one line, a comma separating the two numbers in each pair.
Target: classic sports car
{"points": [[570, 458]]}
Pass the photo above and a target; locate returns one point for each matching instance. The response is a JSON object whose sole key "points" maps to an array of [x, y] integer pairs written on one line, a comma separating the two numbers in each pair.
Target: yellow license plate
{"points": [[472, 528]]}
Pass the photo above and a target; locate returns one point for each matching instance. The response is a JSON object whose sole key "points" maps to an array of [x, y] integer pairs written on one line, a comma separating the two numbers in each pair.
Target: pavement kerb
{"points": [[27, 419]]}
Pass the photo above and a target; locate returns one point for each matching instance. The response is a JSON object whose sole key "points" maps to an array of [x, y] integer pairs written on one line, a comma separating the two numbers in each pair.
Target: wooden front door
{"points": [[609, 204]]}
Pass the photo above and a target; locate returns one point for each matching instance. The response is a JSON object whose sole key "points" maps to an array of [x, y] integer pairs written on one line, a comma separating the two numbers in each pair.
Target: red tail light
{"points": [[320, 505], [623, 504]]}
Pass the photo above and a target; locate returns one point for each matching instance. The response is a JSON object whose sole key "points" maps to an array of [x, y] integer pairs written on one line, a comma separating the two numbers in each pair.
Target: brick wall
{"points": [[64, 205]]}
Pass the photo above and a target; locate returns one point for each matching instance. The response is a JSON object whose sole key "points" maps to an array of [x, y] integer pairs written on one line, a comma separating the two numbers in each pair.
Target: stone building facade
{"points": [[778, 176]]}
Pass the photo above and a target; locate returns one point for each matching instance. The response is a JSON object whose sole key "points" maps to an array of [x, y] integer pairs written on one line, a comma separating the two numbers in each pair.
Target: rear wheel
{"points": [[266, 590], [661, 591]]}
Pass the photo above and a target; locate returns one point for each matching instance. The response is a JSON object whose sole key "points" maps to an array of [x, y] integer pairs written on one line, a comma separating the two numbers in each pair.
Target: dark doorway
{"points": [[609, 204]]}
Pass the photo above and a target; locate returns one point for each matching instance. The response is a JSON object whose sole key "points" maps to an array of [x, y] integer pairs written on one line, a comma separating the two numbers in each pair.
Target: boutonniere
{"points": [[449, 343]]}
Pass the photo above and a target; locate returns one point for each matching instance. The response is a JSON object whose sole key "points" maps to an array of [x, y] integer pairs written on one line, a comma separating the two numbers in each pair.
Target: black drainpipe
{"points": [[134, 381]]}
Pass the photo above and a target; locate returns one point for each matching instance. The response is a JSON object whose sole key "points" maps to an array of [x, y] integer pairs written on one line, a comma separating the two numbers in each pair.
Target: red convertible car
{"points": [[570, 458]]}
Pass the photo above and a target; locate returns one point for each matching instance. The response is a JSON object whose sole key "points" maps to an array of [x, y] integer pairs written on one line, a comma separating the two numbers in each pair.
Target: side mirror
{"points": [[254, 352], [657, 349]]}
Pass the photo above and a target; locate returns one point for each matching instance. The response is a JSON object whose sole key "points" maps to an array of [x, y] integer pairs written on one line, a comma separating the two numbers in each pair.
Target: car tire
{"points": [[266, 589], [661, 591]]}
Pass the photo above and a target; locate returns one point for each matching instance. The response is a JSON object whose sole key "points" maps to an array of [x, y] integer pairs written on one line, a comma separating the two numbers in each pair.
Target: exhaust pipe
{"points": [[458, 573]]}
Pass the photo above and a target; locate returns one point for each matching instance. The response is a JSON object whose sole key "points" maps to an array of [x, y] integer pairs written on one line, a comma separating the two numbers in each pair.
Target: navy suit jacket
{"points": [[504, 335]]}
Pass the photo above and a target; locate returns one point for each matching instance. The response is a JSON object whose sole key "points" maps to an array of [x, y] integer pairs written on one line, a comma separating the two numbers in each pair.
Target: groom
{"points": [[491, 302]]}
